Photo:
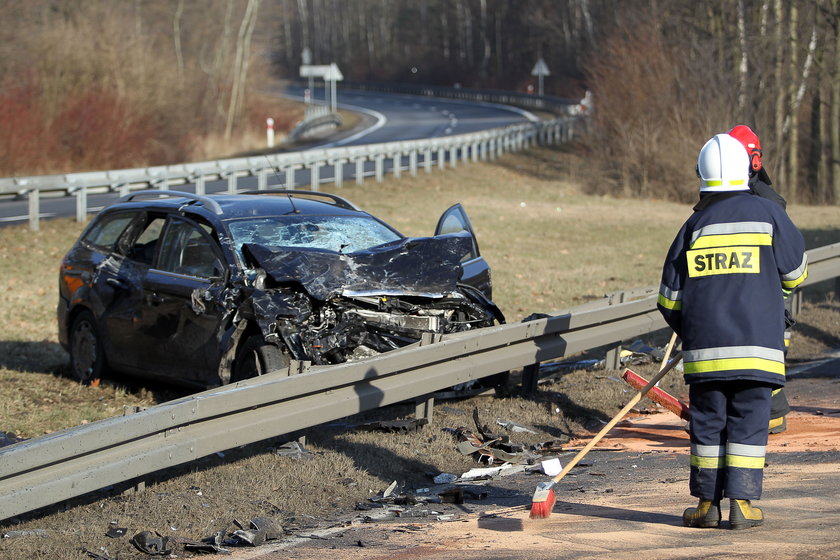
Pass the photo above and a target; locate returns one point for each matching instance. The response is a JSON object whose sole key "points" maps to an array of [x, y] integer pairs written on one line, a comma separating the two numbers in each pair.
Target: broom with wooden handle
{"points": [[544, 498]]}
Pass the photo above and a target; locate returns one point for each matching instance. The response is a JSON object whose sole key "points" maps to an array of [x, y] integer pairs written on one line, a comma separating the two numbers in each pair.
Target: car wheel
{"points": [[257, 357], [87, 361]]}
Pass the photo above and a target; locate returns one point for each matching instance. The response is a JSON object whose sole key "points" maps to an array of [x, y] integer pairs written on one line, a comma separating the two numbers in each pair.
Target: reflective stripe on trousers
{"points": [[728, 438]]}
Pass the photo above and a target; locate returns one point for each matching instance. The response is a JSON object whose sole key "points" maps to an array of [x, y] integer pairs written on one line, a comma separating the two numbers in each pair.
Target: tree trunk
{"points": [[780, 91], [176, 33], [240, 67], [743, 66], [834, 121]]}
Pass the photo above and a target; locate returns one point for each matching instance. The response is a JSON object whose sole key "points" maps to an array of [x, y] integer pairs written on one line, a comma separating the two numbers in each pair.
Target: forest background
{"points": [[102, 84]]}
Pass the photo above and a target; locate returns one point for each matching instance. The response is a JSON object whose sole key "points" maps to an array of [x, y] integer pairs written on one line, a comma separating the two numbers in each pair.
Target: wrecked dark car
{"points": [[205, 290]]}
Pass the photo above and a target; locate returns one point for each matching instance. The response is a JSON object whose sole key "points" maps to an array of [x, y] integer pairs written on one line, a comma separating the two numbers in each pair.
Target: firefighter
{"points": [[721, 293], [760, 185]]}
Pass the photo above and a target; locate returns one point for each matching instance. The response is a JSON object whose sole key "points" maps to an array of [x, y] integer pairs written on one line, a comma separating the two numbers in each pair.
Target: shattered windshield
{"points": [[342, 234]]}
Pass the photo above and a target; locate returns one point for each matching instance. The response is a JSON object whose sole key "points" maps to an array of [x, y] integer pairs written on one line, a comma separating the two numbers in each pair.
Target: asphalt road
{"points": [[623, 501], [389, 117]]}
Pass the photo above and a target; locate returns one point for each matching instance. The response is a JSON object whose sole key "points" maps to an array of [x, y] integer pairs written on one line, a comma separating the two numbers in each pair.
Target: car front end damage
{"points": [[328, 307]]}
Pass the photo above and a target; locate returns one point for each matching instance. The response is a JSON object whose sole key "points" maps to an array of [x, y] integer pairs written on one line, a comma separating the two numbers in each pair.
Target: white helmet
{"points": [[723, 165]]}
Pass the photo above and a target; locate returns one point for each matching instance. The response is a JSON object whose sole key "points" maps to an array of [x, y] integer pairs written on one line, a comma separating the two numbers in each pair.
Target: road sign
{"points": [[329, 73], [540, 68], [313, 70], [540, 71]]}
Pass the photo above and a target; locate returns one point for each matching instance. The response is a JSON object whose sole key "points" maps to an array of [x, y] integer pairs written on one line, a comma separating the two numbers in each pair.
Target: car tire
{"points": [[87, 360], [257, 357]]}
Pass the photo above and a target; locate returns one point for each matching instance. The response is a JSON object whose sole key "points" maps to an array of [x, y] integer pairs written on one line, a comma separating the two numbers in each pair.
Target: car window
{"points": [[345, 234], [108, 229], [143, 249], [187, 249]]}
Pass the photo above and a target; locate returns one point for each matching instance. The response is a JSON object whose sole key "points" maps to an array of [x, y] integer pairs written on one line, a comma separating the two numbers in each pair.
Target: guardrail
{"points": [[424, 154], [76, 461]]}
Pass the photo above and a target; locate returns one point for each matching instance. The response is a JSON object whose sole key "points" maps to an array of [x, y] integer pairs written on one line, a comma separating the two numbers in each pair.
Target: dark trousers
{"points": [[728, 438]]}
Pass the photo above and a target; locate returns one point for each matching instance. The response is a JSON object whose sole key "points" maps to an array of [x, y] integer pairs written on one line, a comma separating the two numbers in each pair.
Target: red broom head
{"points": [[542, 503]]}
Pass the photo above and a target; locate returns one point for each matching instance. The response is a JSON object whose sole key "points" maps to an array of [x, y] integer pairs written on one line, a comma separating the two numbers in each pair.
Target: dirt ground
{"points": [[625, 500]]}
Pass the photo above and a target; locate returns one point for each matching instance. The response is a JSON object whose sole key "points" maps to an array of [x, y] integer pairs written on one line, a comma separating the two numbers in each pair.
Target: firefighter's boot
{"points": [[742, 515], [706, 514]]}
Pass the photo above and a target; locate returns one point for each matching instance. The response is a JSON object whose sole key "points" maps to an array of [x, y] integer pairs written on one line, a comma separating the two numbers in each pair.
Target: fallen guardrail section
{"points": [[73, 462]]}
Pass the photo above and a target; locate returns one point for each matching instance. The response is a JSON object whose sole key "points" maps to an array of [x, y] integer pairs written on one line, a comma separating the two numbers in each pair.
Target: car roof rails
{"points": [[337, 200], [211, 204]]}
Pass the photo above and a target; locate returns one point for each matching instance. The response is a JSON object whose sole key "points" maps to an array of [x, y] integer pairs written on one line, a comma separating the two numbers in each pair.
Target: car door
{"points": [[474, 269], [180, 319]]}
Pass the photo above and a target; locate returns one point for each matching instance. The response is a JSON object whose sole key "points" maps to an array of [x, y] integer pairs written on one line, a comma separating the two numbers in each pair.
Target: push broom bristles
{"points": [[543, 501]]}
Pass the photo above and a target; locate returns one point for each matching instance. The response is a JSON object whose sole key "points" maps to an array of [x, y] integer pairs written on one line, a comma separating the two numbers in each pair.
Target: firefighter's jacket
{"points": [[722, 285]]}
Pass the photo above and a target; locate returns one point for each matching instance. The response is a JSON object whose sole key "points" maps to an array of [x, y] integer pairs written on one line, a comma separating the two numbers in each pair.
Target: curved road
{"points": [[390, 117]]}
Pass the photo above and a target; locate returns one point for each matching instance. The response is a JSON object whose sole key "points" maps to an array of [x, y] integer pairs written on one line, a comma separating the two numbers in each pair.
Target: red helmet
{"points": [[749, 140]]}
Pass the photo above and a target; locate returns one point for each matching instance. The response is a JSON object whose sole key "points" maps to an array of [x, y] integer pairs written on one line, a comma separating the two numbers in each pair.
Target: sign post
{"points": [[540, 71], [306, 60], [330, 74]]}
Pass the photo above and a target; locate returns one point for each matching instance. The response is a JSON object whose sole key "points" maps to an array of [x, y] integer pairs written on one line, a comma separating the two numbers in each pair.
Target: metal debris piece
{"points": [[390, 490], [26, 533], [96, 555], [270, 526], [292, 449], [445, 478], [395, 426], [250, 537], [204, 547], [514, 426], [485, 432], [494, 451], [152, 543], [116, 532], [492, 472]]}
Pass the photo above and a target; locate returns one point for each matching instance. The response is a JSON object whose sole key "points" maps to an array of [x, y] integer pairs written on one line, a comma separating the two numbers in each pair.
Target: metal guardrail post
{"points": [[34, 199], [360, 170], [338, 172], [290, 177], [441, 158], [412, 162], [81, 204], [262, 179], [379, 166], [425, 407], [200, 185], [427, 160], [613, 358], [453, 157], [315, 176], [396, 162], [530, 379], [231, 180]]}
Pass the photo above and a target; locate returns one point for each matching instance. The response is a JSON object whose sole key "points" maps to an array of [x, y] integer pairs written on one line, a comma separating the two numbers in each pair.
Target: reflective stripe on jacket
{"points": [[722, 286]]}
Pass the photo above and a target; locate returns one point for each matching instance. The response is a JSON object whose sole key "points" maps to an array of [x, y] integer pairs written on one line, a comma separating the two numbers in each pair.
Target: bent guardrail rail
{"points": [[73, 462]]}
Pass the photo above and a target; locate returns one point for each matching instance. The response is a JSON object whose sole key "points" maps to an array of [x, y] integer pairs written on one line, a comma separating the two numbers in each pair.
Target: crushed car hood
{"points": [[415, 266]]}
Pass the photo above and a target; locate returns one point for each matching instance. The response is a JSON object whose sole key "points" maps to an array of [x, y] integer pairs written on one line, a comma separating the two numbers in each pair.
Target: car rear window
{"points": [[108, 229], [343, 234]]}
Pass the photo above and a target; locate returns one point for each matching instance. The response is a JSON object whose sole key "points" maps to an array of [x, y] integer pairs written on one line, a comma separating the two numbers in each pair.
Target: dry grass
{"points": [[558, 249]]}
